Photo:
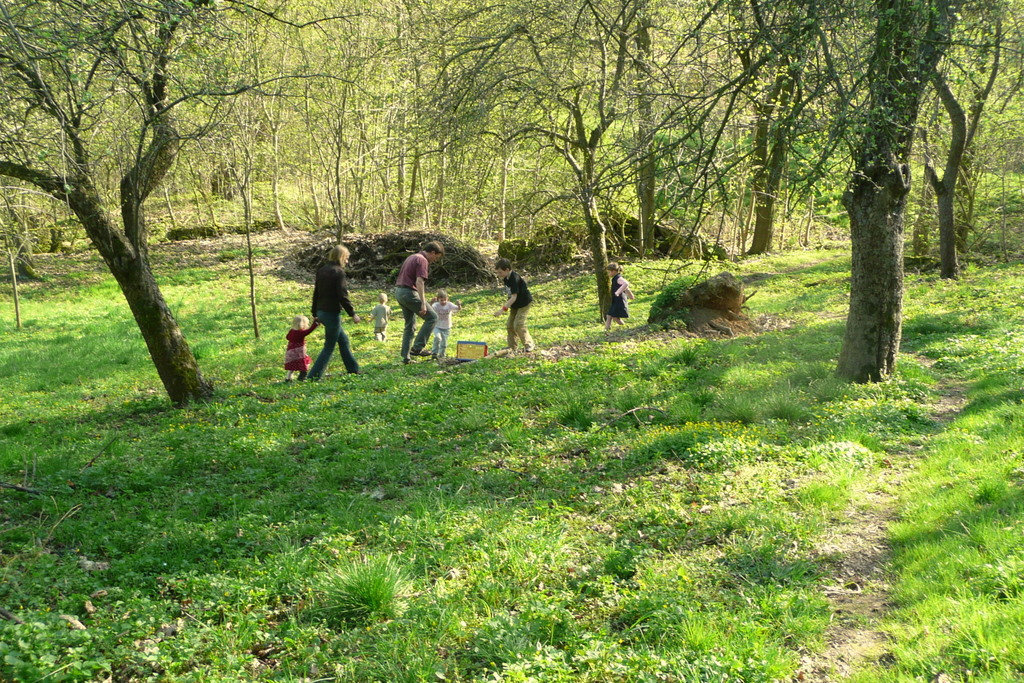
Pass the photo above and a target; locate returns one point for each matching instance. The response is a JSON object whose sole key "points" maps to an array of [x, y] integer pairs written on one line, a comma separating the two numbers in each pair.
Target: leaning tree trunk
{"points": [[175, 363], [174, 360], [246, 189]]}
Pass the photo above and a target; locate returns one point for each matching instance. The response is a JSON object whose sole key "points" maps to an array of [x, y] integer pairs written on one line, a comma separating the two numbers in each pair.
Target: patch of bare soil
{"points": [[857, 547], [858, 587]]}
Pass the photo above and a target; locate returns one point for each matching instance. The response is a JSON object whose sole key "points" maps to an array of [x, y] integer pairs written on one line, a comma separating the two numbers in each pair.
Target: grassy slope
{"points": [[536, 533], [959, 551]]}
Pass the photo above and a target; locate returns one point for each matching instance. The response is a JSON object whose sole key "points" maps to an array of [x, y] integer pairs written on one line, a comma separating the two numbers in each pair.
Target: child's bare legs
{"points": [[288, 377], [608, 320]]}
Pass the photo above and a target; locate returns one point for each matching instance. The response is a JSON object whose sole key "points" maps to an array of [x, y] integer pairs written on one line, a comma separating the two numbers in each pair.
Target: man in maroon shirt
{"points": [[410, 291]]}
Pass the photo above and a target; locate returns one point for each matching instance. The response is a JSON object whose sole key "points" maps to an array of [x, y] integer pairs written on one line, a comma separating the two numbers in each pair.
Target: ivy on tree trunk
{"points": [[910, 37]]}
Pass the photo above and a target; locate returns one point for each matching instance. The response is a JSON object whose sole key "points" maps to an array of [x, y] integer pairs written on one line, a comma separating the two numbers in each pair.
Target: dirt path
{"points": [[858, 588]]}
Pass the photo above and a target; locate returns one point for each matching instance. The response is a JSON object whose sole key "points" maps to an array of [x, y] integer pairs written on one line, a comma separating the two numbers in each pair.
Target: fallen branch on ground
{"points": [[633, 412], [5, 485], [4, 614]]}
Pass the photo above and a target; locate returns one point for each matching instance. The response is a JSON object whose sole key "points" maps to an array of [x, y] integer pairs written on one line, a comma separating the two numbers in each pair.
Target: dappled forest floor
{"points": [[272, 252], [641, 505]]}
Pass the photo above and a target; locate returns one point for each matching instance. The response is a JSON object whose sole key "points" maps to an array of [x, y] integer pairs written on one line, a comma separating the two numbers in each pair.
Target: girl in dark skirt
{"points": [[621, 294]]}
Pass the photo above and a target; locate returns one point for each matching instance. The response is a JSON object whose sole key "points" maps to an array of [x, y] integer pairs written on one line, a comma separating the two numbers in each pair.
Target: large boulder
{"points": [[376, 257], [713, 306]]}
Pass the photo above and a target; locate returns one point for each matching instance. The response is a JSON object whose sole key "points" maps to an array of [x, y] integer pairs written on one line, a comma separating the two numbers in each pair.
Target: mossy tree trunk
{"points": [[909, 40], [129, 264]]}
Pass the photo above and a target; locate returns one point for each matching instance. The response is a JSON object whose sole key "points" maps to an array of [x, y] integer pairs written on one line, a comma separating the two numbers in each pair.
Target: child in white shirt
{"points": [[444, 310]]}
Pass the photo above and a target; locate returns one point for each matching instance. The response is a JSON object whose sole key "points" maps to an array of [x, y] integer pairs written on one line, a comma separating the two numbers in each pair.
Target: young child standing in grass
{"points": [[295, 356], [381, 314], [517, 306], [444, 309], [621, 294]]}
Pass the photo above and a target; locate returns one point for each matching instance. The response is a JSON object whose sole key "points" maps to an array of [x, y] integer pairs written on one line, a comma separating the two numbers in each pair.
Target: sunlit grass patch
{"points": [[708, 446], [832, 494], [783, 403], [520, 635], [367, 589], [575, 413], [548, 534], [632, 396]]}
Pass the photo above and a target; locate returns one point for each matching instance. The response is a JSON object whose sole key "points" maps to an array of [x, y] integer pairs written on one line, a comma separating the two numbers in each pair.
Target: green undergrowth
{"points": [[645, 509], [959, 549]]}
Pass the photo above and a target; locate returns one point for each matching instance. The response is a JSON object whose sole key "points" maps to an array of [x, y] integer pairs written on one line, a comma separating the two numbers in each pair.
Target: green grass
{"points": [[368, 589], [959, 549], [504, 520]]}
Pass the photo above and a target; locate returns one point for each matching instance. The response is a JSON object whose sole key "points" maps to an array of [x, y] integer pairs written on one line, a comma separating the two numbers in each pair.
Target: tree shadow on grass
{"points": [[269, 468]]}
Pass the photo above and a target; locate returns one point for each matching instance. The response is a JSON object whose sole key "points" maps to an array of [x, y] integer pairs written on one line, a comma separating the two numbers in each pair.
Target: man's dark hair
{"points": [[503, 264], [434, 247]]}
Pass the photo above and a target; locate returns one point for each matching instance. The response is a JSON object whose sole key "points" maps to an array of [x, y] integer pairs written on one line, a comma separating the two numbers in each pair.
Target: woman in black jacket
{"points": [[330, 297]]}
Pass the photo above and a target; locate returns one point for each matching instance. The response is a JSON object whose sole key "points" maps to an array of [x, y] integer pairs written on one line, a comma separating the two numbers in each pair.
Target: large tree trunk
{"points": [[770, 146], [876, 207], [950, 264], [945, 187], [647, 167], [909, 39], [14, 286], [763, 193], [599, 251], [958, 172], [596, 229]]}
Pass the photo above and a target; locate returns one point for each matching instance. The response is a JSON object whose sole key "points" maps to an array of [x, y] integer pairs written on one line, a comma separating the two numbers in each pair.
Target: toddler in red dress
{"points": [[295, 356]]}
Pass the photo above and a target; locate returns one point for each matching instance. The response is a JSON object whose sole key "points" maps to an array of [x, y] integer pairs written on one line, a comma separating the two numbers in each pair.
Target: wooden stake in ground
{"points": [[14, 283]]}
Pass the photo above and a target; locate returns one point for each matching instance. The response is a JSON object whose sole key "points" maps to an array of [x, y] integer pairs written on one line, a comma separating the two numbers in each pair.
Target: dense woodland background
{"points": [[701, 129]]}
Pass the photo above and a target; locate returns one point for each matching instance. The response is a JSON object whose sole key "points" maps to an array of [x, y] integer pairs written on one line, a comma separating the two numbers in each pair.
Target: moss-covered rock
{"points": [[537, 253]]}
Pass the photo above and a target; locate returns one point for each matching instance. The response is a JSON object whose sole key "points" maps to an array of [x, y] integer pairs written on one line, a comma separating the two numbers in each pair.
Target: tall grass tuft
{"points": [[575, 413], [740, 407], [786, 404], [368, 589]]}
